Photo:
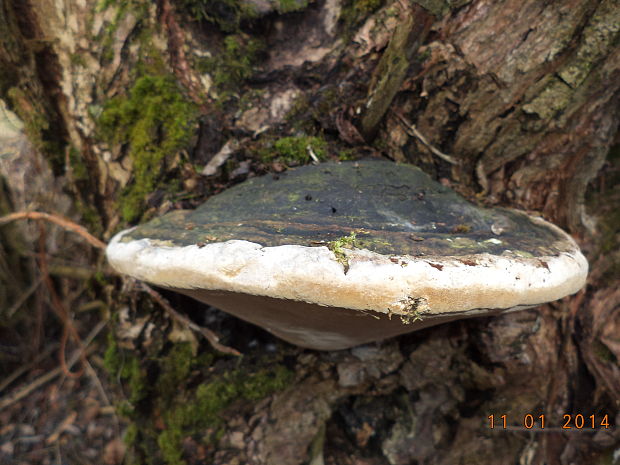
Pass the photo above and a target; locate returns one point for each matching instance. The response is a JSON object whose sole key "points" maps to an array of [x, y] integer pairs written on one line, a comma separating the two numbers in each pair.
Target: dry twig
{"points": [[68, 328], [61, 311], [57, 305], [61, 428], [413, 131], [59, 220], [26, 390], [24, 297], [6, 382], [213, 338]]}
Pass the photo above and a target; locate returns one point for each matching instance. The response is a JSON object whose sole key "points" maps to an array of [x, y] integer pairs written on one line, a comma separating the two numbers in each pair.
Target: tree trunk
{"points": [[512, 103]]}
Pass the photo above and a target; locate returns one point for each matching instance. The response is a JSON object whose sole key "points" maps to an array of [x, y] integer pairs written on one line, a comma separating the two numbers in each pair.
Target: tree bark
{"points": [[512, 103]]}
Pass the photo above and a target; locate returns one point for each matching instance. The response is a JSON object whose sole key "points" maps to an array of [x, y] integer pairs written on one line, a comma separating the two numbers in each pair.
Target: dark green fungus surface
{"points": [[391, 209]]}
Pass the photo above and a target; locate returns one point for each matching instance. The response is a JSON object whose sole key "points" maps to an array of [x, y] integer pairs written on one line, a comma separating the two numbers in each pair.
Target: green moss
{"points": [[175, 369], [288, 6], [139, 8], [233, 65], [138, 386], [170, 445], [105, 4], [424, 55], [219, 394], [295, 150], [521, 253], [202, 413], [130, 435], [154, 121], [265, 382], [226, 14], [240, 54], [436, 7], [354, 12], [414, 313], [90, 217], [370, 244], [81, 180], [34, 119], [112, 360], [250, 98], [300, 106], [347, 155], [78, 60], [124, 409], [603, 352], [187, 411], [338, 246], [125, 367], [328, 100], [79, 171]]}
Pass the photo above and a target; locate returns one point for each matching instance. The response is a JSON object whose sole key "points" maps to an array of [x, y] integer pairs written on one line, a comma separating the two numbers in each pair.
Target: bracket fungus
{"points": [[340, 254]]}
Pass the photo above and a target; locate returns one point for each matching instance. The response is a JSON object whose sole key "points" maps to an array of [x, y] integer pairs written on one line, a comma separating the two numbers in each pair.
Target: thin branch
{"points": [[59, 220], [76, 228], [24, 297], [413, 131], [68, 329], [24, 368], [104, 396], [213, 338], [75, 356], [61, 428], [57, 305]]}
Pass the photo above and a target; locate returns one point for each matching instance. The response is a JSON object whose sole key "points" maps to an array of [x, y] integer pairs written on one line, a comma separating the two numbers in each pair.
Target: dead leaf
{"points": [[114, 452]]}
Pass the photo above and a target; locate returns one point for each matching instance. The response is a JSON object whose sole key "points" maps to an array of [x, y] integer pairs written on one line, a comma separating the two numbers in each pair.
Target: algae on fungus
{"points": [[338, 246]]}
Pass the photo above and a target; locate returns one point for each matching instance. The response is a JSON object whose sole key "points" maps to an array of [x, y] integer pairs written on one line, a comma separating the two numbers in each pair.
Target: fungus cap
{"points": [[335, 255]]}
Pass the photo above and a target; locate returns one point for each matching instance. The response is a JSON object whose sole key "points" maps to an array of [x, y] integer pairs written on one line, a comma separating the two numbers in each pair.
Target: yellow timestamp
{"points": [[569, 421]]}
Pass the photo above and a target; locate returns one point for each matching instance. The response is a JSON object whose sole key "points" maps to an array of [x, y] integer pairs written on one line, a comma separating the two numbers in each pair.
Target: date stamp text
{"points": [[569, 422]]}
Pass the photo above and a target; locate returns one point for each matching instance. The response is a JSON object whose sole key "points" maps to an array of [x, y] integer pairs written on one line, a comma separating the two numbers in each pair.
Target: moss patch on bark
{"points": [[184, 395], [154, 120], [233, 64]]}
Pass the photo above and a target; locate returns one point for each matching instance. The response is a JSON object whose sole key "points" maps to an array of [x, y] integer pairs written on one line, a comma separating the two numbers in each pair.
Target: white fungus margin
{"points": [[387, 284]]}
